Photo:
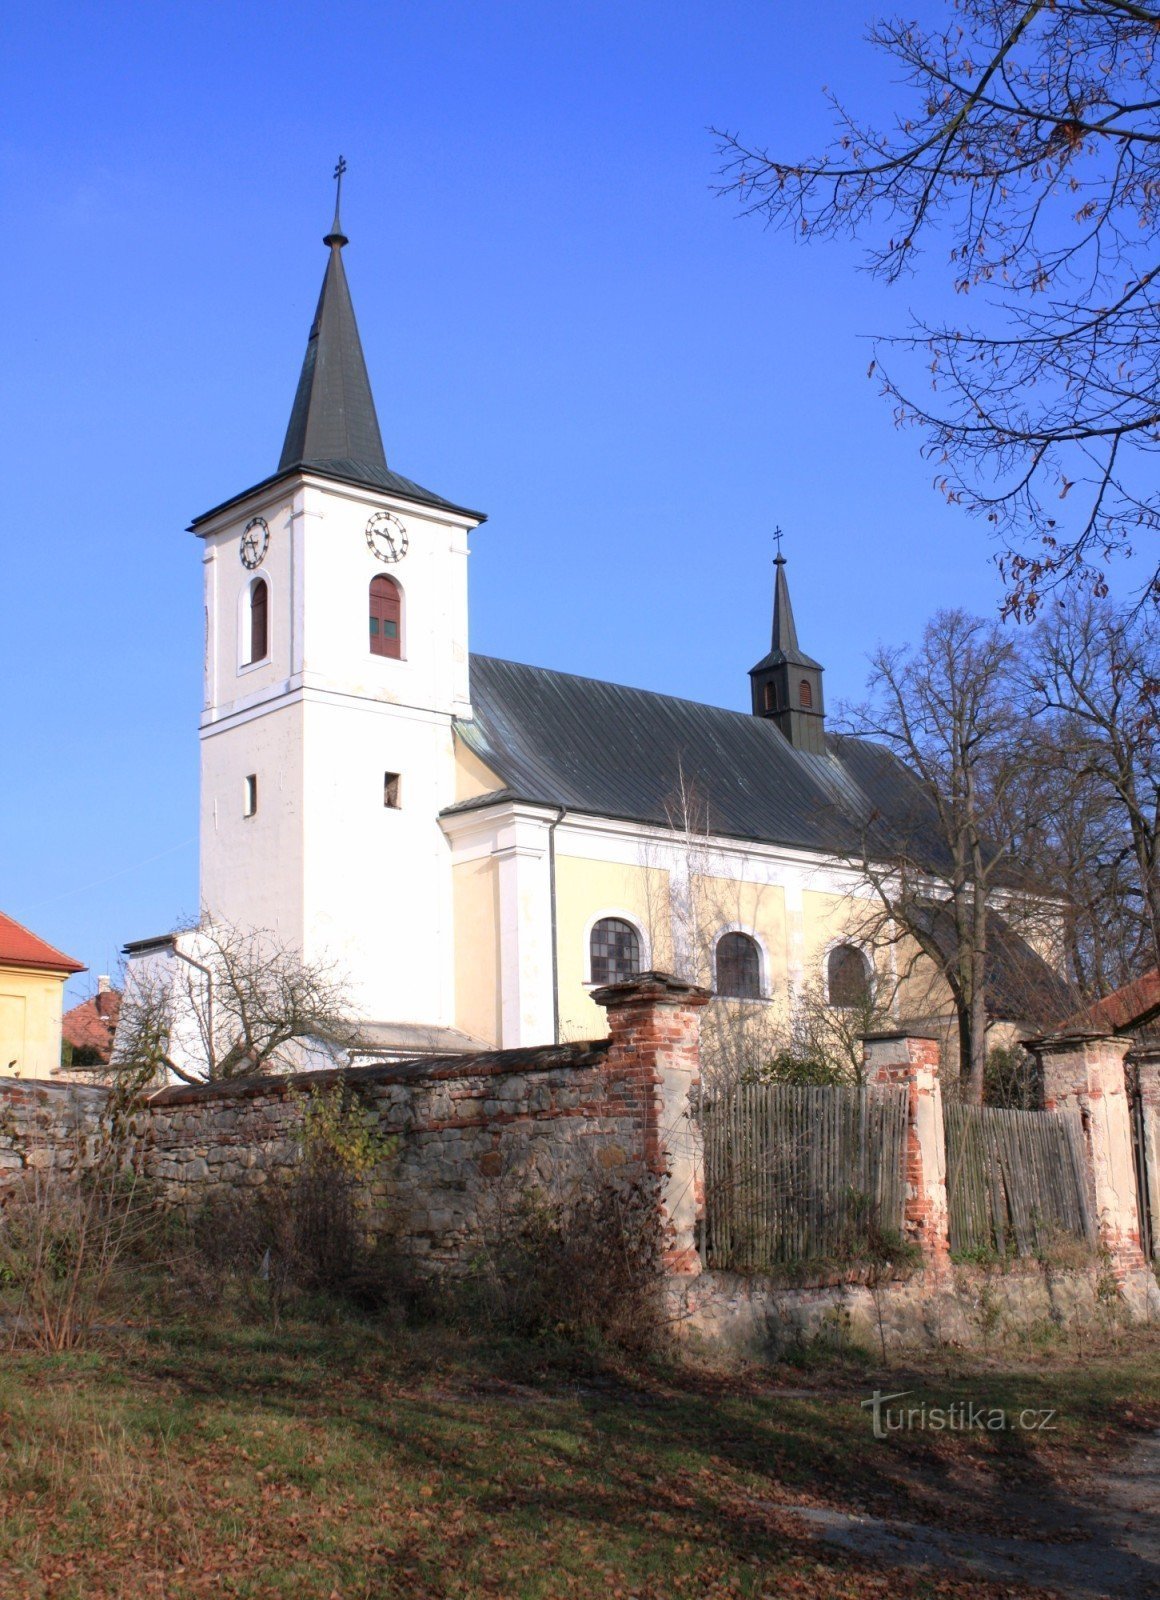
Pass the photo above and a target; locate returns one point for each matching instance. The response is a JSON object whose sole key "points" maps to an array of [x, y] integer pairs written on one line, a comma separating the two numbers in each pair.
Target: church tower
{"points": [[336, 661], [786, 684]]}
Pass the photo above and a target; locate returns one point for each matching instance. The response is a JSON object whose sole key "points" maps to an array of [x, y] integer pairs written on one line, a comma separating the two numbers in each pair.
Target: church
{"points": [[476, 843]]}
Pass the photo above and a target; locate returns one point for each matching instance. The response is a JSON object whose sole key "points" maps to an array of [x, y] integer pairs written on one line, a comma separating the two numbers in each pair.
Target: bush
{"points": [[65, 1237], [302, 1232], [582, 1264]]}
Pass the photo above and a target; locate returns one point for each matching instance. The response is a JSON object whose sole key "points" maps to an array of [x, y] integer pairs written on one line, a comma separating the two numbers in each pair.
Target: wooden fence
{"points": [[801, 1174], [1015, 1179]]}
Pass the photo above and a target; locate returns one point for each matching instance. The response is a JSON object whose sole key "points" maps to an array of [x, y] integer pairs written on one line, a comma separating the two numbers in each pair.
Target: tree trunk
{"points": [[977, 1072]]}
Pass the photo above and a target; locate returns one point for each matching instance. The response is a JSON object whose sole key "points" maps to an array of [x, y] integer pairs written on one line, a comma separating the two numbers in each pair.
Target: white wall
{"points": [[324, 863]]}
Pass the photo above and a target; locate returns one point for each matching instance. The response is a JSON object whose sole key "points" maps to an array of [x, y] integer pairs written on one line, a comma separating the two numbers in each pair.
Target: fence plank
{"points": [[798, 1173], [1014, 1177]]}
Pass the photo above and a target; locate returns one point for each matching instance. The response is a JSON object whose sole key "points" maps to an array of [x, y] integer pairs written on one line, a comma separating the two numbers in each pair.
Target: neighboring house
{"points": [[33, 974], [475, 841], [87, 1030]]}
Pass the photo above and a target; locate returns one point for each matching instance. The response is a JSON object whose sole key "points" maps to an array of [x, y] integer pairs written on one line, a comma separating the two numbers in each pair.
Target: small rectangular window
{"points": [[390, 630], [374, 627], [391, 790], [250, 799]]}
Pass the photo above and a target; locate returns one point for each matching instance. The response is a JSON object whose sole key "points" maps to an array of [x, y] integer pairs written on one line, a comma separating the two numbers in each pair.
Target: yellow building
{"points": [[32, 979]]}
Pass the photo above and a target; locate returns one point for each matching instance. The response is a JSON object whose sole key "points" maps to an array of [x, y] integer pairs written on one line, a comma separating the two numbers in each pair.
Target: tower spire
{"points": [[786, 685], [333, 424]]}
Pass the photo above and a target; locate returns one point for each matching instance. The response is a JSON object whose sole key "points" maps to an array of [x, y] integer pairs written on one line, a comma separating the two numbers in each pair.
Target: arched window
{"points": [[259, 619], [847, 977], [615, 950], [386, 616], [770, 702], [805, 694], [738, 966]]}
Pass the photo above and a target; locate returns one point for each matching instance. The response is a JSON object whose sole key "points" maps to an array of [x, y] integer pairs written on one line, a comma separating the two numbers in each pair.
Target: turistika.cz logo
{"points": [[961, 1416]]}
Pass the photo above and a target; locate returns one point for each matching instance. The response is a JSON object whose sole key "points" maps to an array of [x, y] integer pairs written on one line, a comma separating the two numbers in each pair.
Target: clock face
{"points": [[387, 537], [255, 542]]}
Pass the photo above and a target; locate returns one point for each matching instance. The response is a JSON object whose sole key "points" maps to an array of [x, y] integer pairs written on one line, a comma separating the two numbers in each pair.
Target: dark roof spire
{"points": [[785, 637], [333, 425]]}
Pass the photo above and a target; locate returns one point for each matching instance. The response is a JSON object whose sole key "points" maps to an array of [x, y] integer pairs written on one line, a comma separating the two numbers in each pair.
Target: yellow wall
{"points": [[30, 1012], [755, 907], [588, 889], [472, 777], [477, 993]]}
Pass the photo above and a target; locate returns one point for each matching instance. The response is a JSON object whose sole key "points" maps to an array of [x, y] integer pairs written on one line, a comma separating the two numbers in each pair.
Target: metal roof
{"points": [[612, 751]]}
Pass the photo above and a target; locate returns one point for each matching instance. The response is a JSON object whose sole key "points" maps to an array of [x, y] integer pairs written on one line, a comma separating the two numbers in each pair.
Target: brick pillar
{"points": [[654, 1026], [1086, 1072], [910, 1059]]}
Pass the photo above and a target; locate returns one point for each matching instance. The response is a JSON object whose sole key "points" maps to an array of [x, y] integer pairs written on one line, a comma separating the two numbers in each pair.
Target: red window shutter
{"points": [[259, 620], [386, 608]]}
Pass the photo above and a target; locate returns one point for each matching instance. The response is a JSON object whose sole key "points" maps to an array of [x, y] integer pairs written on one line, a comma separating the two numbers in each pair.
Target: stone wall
{"points": [[47, 1125], [469, 1134], [755, 1320], [460, 1127]]}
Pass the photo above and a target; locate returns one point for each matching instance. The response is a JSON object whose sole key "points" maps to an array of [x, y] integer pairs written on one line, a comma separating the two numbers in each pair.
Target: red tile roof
{"points": [[1136, 1003], [92, 1024], [20, 947]]}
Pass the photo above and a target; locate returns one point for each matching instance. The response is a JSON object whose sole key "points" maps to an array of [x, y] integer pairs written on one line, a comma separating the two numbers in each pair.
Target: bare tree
{"points": [[938, 863], [1092, 679], [231, 1002], [690, 902], [1029, 131]]}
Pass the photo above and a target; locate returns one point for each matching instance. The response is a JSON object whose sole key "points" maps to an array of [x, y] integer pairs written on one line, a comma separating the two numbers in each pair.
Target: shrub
{"points": [[303, 1231], [65, 1236], [580, 1262]]}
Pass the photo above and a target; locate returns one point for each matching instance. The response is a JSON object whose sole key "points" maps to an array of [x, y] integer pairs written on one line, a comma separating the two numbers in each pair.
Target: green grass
{"points": [[352, 1460]]}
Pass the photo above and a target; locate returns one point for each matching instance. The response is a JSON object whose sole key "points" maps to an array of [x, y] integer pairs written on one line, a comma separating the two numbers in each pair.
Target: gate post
{"points": [[654, 1026], [1085, 1071], [912, 1060], [1145, 1057]]}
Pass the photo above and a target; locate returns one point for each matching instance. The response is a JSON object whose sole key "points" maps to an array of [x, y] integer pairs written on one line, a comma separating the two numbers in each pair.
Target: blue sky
{"points": [[564, 326]]}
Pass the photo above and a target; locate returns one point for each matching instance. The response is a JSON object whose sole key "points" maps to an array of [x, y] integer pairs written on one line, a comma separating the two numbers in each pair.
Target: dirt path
{"points": [[1104, 1547]]}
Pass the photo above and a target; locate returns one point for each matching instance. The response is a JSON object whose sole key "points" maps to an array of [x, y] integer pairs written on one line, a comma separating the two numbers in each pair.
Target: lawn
{"points": [[353, 1460]]}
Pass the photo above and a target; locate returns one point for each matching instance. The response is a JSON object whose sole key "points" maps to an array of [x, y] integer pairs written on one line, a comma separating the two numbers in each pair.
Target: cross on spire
{"points": [[336, 235], [777, 537]]}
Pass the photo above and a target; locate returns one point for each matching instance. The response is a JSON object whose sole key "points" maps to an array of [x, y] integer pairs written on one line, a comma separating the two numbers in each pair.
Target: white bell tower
{"points": [[335, 663]]}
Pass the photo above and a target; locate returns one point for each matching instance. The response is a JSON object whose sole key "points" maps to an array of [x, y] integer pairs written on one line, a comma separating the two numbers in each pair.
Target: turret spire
{"points": [[787, 684], [784, 632], [333, 425]]}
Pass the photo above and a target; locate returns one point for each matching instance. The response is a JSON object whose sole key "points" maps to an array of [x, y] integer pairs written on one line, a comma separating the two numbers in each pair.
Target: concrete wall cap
{"points": [[1070, 1041], [658, 987], [890, 1035]]}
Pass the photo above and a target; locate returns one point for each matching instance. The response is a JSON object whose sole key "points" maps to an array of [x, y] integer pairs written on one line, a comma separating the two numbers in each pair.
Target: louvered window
{"points": [[386, 609], [259, 619]]}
